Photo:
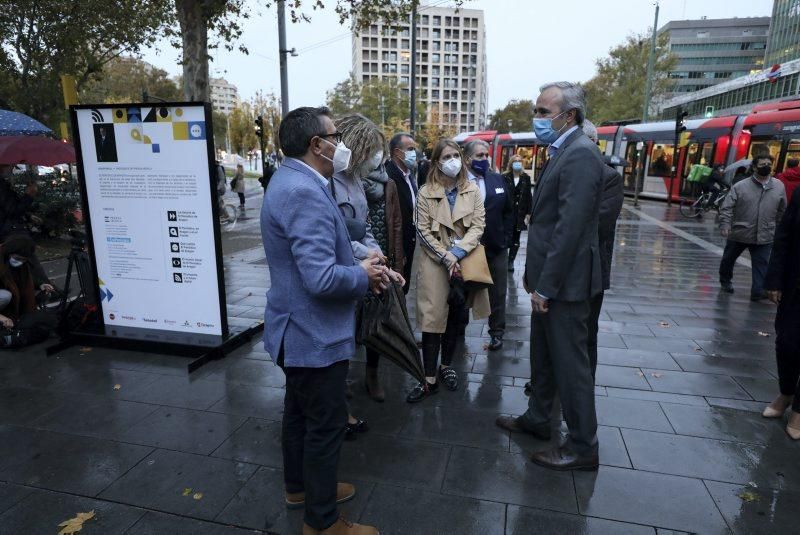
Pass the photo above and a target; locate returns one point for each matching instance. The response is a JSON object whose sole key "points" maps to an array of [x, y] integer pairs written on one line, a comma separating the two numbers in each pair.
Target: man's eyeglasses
{"points": [[337, 136]]}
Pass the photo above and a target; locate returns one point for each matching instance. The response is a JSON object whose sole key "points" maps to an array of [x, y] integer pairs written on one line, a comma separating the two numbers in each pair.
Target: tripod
{"points": [[79, 261]]}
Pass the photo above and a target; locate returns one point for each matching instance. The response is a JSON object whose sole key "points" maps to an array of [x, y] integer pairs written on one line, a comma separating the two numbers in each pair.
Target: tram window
{"points": [[772, 146], [691, 158], [602, 143], [526, 153], [661, 160], [792, 152]]}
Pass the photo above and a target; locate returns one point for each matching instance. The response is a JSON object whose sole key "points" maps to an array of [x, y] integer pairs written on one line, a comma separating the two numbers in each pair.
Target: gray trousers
{"points": [[560, 366], [498, 268]]}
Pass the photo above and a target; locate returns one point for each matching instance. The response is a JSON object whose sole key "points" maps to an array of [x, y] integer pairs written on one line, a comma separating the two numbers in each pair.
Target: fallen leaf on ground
{"points": [[761, 333], [663, 324], [640, 374], [85, 349], [656, 375], [117, 387], [748, 496], [187, 491], [198, 496], [74, 525], [698, 349]]}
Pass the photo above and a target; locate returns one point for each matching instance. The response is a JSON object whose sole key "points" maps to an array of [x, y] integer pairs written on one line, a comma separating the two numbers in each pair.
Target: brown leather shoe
{"points": [[373, 385], [342, 527], [515, 425], [297, 500], [564, 459]]}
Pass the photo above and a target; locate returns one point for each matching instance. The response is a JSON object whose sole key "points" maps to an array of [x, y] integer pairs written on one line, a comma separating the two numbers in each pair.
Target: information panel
{"points": [[151, 216]]}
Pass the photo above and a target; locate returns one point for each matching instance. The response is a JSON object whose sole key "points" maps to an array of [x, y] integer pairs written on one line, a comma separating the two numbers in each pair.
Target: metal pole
{"points": [[639, 173], [675, 158], [412, 123], [650, 66], [283, 52]]}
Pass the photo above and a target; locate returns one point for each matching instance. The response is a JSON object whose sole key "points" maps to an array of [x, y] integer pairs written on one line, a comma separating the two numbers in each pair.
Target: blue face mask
{"points": [[410, 158], [480, 166], [516, 166], [543, 127]]}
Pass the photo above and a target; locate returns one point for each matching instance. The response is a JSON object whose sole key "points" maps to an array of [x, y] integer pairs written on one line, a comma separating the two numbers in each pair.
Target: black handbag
{"points": [[356, 228]]}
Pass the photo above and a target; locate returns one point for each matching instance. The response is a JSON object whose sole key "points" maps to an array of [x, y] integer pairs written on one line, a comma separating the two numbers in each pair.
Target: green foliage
{"points": [[268, 106], [242, 129], [220, 121], [43, 39], [385, 102], [520, 112], [55, 204], [124, 79], [616, 92]]}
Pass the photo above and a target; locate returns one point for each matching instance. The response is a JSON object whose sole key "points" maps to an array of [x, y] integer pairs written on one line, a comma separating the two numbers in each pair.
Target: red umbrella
{"points": [[35, 150]]}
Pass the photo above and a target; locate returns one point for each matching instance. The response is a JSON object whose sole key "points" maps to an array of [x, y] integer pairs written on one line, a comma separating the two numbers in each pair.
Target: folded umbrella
{"points": [[383, 325], [35, 150]]}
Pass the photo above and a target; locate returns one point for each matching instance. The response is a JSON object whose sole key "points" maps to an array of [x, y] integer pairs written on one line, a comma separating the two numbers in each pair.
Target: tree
{"points": [[241, 123], [43, 39], [385, 102], [220, 121], [520, 112], [616, 92], [432, 130], [268, 106], [124, 79]]}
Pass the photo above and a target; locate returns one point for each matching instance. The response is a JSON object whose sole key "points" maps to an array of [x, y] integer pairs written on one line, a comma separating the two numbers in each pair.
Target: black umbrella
{"points": [[384, 326]]}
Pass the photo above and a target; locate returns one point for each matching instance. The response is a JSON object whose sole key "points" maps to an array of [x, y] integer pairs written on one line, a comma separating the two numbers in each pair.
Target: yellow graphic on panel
{"points": [[119, 115], [180, 131], [136, 134]]}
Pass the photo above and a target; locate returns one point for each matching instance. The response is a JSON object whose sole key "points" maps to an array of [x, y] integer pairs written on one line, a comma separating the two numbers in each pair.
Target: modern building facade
{"points": [[784, 33], [224, 95], [451, 62], [738, 96], [712, 51]]}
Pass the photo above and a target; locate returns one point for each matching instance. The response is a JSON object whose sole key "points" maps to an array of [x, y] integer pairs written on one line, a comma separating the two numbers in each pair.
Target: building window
{"points": [[703, 34], [425, 19], [437, 20], [405, 44], [448, 21], [435, 58], [437, 34]]}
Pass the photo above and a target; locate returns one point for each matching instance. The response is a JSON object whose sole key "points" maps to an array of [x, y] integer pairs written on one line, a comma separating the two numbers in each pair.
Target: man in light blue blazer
{"points": [[309, 321]]}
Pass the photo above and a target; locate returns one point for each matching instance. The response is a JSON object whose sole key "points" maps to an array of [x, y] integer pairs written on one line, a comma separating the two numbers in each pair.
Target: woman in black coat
{"points": [[783, 288], [520, 184]]}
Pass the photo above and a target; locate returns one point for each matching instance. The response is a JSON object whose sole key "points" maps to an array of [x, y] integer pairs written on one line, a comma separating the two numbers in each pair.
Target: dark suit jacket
{"points": [[499, 207], [563, 258], [610, 206], [522, 197], [406, 205], [784, 264]]}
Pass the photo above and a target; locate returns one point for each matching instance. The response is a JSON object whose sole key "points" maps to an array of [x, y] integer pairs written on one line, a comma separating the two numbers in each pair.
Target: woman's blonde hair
{"points": [[436, 176], [362, 137], [514, 158]]}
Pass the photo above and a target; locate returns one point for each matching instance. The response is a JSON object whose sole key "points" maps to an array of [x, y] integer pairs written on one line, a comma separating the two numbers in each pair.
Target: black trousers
{"points": [[408, 250], [595, 305], [759, 258], [512, 251], [241, 199], [314, 418], [498, 268], [560, 365], [787, 348]]}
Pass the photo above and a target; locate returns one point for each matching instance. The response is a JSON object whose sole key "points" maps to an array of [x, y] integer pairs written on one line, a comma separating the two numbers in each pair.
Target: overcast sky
{"points": [[528, 43]]}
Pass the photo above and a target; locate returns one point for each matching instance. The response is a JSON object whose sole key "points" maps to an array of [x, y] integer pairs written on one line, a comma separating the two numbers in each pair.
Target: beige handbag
{"points": [[475, 269]]}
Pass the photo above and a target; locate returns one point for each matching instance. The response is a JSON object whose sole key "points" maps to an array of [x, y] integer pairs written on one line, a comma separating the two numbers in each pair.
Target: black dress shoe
{"points": [[528, 388], [422, 391], [351, 430], [564, 459], [727, 287], [449, 378], [495, 343], [515, 425]]}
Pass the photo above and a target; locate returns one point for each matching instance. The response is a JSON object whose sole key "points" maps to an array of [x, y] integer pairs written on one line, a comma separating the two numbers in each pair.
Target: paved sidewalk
{"points": [[684, 372]]}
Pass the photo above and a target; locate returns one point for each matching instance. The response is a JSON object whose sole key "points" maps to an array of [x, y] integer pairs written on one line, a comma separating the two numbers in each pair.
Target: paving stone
{"points": [[724, 424], [621, 377], [507, 477], [250, 372], [649, 499], [160, 523], [456, 427], [721, 365], [760, 389], [260, 504], [700, 384], [749, 510], [181, 483], [427, 512], [183, 430], [631, 413], [175, 391], [636, 358], [256, 441], [21, 406], [521, 520], [11, 494], [494, 365], [55, 461], [255, 401], [647, 395], [42, 512], [677, 345], [103, 418]]}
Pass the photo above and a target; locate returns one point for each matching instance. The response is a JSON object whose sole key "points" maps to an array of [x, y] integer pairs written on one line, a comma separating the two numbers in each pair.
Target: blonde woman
{"points": [[450, 221], [519, 183], [238, 184], [366, 143]]}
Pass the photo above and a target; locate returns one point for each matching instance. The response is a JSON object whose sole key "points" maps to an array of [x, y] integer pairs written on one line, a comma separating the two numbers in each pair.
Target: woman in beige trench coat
{"points": [[450, 220]]}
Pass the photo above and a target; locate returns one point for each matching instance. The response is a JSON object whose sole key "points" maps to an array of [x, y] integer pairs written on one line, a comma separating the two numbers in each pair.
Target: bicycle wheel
{"points": [[230, 215], [690, 208]]}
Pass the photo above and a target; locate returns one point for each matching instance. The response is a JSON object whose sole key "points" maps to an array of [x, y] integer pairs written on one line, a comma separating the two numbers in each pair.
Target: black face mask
{"points": [[763, 170]]}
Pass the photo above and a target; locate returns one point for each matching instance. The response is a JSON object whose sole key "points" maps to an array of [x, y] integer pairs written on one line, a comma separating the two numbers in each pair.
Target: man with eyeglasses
{"points": [[562, 274], [498, 234], [309, 322]]}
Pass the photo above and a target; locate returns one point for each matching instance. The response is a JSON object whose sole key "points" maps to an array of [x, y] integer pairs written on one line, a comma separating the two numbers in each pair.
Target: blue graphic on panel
{"points": [[197, 130]]}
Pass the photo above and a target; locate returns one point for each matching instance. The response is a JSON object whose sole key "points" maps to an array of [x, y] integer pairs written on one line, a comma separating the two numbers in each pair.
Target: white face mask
{"points": [[451, 167], [13, 262], [341, 157], [376, 160]]}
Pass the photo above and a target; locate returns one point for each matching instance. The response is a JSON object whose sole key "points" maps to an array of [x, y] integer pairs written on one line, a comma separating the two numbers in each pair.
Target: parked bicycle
{"points": [[710, 200]]}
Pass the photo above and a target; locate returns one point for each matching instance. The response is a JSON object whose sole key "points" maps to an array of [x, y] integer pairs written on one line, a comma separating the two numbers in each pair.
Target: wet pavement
{"points": [[684, 373]]}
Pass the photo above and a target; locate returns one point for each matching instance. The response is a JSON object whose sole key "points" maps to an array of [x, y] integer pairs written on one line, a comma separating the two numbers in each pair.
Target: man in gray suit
{"points": [[562, 274]]}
